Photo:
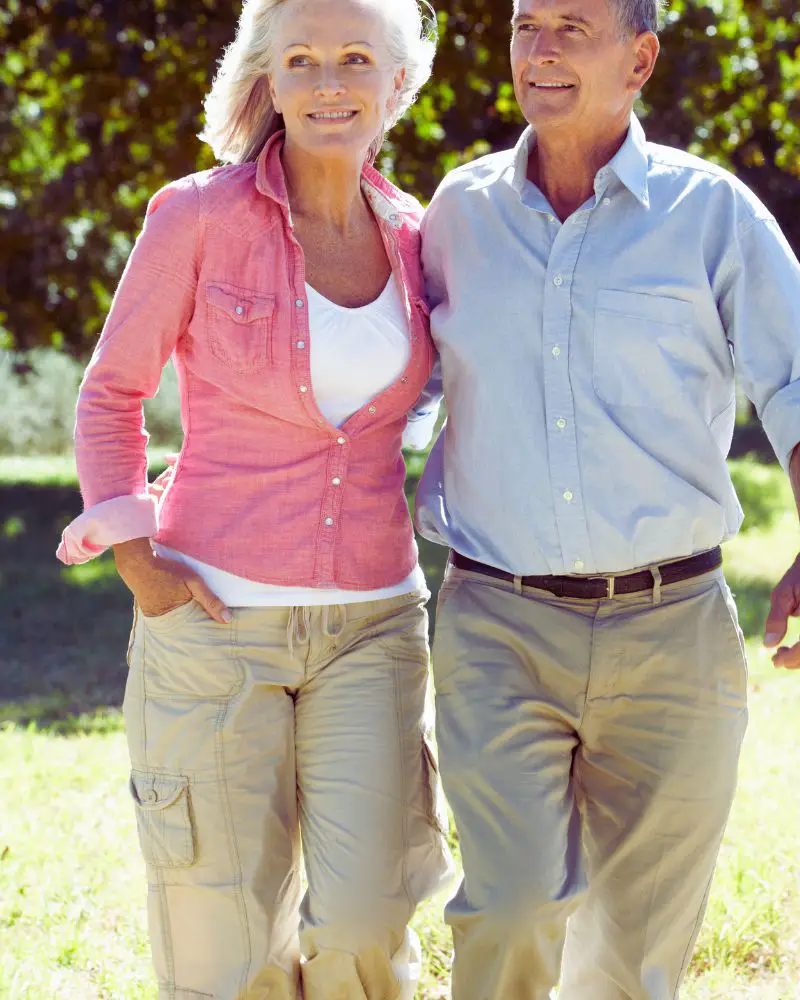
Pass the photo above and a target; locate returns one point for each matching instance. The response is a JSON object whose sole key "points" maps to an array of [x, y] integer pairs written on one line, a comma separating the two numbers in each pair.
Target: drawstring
{"points": [[298, 628]]}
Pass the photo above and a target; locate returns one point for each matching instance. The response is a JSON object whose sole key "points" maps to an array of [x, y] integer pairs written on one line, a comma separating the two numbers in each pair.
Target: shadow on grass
{"points": [[64, 630]]}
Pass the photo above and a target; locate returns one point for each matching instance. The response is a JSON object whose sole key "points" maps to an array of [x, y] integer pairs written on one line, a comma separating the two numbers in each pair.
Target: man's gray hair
{"points": [[636, 16]]}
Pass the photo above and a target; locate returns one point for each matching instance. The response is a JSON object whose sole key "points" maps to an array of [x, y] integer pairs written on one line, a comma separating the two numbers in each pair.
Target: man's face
{"points": [[572, 66]]}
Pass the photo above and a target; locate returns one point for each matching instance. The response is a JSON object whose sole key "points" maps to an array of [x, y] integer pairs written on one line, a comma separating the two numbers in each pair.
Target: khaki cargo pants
{"points": [[243, 735], [589, 752]]}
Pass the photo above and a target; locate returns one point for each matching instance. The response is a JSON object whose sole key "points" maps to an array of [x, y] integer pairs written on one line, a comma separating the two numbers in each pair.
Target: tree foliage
{"points": [[100, 105]]}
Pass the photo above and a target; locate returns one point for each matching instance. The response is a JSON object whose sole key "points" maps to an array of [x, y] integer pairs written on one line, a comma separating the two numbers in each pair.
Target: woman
{"points": [[278, 663]]}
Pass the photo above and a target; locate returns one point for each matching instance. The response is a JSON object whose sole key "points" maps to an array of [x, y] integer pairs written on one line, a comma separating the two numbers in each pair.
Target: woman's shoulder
{"points": [[210, 191]]}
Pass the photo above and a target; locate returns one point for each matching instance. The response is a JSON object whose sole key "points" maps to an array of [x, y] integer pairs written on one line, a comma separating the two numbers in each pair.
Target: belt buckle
{"points": [[611, 581]]}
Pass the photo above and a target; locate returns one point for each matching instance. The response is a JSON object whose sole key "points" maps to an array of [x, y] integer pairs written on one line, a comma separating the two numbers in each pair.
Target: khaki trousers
{"points": [[589, 752], [243, 735]]}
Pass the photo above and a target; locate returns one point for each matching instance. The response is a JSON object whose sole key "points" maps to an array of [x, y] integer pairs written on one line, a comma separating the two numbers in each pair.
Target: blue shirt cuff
{"points": [[781, 420]]}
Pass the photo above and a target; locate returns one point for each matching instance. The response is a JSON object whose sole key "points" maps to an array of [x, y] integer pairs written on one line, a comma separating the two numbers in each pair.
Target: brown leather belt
{"points": [[595, 588]]}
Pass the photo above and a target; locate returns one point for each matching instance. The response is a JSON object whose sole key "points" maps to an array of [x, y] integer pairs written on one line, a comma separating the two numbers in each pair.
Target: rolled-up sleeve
{"points": [[152, 309], [424, 413], [760, 308]]}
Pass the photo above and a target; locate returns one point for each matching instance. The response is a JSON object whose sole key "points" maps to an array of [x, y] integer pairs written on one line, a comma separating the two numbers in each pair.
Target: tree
{"points": [[100, 105]]}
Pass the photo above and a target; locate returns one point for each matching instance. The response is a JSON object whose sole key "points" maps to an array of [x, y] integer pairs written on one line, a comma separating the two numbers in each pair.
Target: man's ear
{"points": [[646, 50]]}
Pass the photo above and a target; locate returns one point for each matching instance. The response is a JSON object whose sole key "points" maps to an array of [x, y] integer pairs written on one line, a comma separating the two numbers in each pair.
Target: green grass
{"points": [[72, 921]]}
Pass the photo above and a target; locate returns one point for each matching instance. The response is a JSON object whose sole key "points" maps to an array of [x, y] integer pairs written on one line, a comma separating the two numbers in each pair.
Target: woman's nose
{"points": [[329, 83]]}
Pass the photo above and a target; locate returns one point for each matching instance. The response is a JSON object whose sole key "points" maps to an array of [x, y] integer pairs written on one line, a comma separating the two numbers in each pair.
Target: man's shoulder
{"points": [[476, 175], [670, 166]]}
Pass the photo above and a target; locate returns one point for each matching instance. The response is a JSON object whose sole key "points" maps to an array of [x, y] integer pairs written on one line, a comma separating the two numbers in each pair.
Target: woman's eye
{"points": [[299, 61], [355, 59]]}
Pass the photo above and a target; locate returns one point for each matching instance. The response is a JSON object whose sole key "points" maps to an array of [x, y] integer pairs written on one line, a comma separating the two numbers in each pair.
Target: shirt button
{"points": [[579, 564], [299, 303], [329, 522], [239, 310], [558, 281], [303, 388], [373, 409], [606, 201], [336, 481], [300, 345], [561, 423], [341, 440], [569, 496], [556, 351], [150, 795]]}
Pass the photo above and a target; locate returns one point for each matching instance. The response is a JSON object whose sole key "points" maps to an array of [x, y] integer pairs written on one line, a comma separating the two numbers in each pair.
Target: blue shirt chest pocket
{"points": [[642, 349]]}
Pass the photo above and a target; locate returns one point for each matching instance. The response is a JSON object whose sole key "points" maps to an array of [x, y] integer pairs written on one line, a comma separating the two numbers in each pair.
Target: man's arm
{"points": [[759, 299], [786, 596]]}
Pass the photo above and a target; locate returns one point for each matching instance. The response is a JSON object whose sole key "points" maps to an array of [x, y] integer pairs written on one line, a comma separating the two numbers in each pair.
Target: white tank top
{"points": [[355, 355]]}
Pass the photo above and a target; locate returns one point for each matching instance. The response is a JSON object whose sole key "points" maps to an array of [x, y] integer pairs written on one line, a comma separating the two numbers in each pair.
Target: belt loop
{"points": [[518, 586], [656, 585]]}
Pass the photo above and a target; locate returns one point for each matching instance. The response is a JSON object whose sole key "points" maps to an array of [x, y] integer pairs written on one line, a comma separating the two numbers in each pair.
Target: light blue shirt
{"points": [[588, 368]]}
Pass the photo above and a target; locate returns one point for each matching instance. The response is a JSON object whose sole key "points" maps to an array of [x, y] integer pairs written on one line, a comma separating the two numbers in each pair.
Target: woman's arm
{"points": [[152, 308]]}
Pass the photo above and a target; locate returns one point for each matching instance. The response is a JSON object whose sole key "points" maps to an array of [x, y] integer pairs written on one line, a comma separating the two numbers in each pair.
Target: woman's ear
{"points": [[397, 87], [272, 94]]}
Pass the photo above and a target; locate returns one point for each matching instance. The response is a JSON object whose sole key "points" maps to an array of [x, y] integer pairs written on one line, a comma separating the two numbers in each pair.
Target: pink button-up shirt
{"points": [[264, 487]]}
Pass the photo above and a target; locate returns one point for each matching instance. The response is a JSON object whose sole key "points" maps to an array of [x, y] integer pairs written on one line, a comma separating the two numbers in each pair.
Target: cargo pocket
{"points": [[164, 819]]}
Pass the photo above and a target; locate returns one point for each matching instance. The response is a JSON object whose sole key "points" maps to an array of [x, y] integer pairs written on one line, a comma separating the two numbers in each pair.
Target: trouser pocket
{"points": [[435, 806], [163, 818]]}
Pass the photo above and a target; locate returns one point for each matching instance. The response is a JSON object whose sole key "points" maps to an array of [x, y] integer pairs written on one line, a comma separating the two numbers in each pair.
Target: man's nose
{"points": [[545, 49]]}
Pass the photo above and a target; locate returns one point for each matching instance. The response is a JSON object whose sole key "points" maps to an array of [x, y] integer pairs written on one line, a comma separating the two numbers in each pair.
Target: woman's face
{"points": [[333, 78]]}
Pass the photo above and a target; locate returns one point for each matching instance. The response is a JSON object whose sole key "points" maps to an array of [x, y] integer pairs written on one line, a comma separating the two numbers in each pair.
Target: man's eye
{"points": [[526, 28], [571, 28]]}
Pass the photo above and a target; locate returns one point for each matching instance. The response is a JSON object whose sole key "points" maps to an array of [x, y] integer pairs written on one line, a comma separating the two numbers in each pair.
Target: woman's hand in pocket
{"points": [[162, 585]]}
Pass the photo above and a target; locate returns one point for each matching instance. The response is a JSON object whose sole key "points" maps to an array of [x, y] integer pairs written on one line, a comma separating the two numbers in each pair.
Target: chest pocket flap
{"points": [[239, 325]]}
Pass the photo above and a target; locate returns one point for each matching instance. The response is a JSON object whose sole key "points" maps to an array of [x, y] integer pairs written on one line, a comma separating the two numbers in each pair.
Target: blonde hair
{"points": [[240, 116]]}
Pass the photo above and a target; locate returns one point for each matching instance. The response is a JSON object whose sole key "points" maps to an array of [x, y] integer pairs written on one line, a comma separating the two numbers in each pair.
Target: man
{"points": [[589, 292]]}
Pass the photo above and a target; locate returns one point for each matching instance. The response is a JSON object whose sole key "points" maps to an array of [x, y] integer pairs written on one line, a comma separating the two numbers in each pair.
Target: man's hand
{"points": [[162, 585], [785, 604]]}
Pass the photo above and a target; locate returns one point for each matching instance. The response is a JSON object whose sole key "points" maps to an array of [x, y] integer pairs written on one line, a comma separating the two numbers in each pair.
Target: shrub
{"points": [[38, 391], [763, 492]]}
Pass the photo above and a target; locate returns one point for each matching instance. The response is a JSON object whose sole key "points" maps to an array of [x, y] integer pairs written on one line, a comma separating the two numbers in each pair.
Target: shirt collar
{"points": [[271, 181], [518, 171], [630, 164], [270, 178]]}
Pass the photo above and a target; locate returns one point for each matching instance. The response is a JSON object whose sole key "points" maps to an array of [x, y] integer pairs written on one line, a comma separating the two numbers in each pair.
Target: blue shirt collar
{"points": [[630, 164]]}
